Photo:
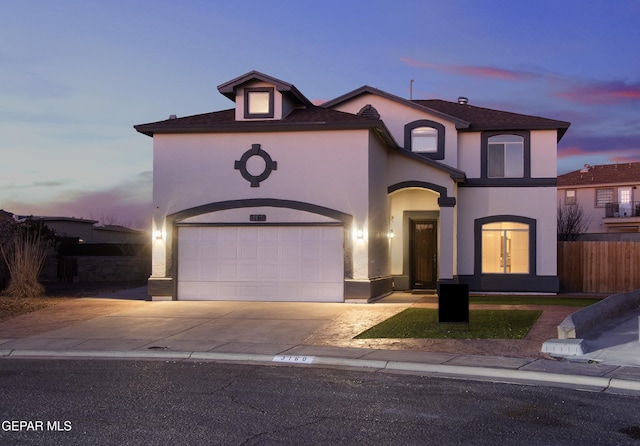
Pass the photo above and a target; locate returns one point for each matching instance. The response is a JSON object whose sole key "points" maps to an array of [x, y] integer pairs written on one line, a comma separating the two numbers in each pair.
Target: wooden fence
{"points": [[599, 267]]}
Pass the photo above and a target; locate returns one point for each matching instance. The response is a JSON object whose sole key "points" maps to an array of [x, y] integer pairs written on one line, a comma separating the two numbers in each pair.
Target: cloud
{"points": [[578, 150], [48, 183], [601, 143], [579, 91], [474, 70], [602, 92], [128, 204], [569, 152]]}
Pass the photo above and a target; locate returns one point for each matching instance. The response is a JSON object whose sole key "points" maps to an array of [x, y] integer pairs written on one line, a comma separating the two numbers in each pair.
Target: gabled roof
{"points": [[626, 173], [481, 118], [460, 123], [466, 117], [312, 117], [229, 88]]}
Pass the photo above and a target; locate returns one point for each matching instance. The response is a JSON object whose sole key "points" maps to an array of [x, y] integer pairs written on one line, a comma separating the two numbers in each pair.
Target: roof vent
{"points": [[463, 101], [369, 111], [586, 168], [173, 117]]}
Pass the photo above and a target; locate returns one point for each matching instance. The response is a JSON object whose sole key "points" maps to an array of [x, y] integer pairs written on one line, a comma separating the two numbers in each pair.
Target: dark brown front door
{"points": [[423, 242]]}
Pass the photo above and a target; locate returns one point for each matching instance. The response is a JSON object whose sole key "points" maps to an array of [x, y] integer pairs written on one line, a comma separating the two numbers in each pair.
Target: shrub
{"points": [[24, 256]]}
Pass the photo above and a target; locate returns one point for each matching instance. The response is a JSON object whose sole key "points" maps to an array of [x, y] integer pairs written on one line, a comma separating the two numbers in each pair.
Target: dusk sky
{"points": [[75, 76]]}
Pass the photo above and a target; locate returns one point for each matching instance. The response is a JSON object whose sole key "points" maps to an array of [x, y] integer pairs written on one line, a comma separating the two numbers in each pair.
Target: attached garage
{"points": [[261, 262]]}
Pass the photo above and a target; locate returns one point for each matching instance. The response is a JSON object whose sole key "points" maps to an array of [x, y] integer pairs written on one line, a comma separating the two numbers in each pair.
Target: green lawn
{"points": [[483, 324], [534, 300]]}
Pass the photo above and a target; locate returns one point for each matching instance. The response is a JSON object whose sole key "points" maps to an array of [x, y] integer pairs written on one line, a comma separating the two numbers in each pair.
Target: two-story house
{"points": [[280, 199], [609, 195]]}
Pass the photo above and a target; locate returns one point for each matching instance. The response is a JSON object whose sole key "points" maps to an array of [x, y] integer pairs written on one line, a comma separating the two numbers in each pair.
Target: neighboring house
{"points": [[279, 199], [87, 231], [608, 194]]}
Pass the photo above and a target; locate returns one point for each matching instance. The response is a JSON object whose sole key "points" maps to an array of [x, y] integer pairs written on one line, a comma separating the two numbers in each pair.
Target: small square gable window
{"points": [[258, 103]]}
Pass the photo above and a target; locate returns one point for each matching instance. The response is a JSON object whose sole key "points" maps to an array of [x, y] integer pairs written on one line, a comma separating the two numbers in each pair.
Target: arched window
{"points": [[426, 138], [505, 244], [506, 156], [505, 248]]}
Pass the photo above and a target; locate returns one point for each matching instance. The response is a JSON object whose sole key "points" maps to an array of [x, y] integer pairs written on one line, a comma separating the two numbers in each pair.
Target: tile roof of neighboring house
{"points": [[602, 174], [224, 121]]}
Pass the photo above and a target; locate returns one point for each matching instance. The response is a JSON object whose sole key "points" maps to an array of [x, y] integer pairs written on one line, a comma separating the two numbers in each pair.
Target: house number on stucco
{"points": [[248, 172]]}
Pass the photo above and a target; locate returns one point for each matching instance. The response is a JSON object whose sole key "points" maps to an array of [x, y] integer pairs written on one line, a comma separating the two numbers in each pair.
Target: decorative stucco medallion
{"points": [[248, 172]]}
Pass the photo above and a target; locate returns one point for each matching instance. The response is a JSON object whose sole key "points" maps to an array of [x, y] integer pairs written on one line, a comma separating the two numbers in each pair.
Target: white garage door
{"points": [[269, 263]]}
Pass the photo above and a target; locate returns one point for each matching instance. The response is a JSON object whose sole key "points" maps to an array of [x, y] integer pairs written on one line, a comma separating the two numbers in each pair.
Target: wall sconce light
{"points": [[360, 234], [391, 234], [157, 235]]}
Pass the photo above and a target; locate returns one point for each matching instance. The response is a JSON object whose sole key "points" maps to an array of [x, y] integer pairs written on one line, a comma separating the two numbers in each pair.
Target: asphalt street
{"points": [[117, 402]]}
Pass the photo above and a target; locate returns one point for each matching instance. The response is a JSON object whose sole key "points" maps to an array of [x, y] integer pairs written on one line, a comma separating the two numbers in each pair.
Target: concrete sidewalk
{"points": [[122, 325]]}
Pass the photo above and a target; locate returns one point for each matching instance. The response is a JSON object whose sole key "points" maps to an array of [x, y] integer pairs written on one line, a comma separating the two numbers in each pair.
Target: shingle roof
{"points": [[628, 173], [225, 121], [466, 117], [480, 118]]}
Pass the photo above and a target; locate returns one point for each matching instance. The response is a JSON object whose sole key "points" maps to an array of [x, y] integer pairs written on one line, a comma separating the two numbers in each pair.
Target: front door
{"points": [[423, 247]]}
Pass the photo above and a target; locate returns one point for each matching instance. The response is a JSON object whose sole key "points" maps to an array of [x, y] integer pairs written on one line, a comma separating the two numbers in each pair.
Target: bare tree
{"points": [[571, 222]]}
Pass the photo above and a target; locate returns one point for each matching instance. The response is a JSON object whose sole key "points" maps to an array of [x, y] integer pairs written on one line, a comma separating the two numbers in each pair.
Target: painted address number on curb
{"points": [[294, 359]]}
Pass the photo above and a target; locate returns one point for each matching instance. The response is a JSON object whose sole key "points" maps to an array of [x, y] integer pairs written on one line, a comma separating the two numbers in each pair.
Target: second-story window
{"points": [[604, 196], [426, 138], [258, 102], [505, 156]]}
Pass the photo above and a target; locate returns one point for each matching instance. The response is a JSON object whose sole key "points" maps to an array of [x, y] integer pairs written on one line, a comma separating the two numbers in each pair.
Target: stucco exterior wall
{"points": [[536, 203], [378, 225], [312, 167], [396, 116], [196, 169], [403, 168], [469, 154], [544, 153]]}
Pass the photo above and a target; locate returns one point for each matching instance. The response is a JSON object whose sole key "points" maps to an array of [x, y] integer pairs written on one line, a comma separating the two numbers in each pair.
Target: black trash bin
{"points": [[453, 303]]}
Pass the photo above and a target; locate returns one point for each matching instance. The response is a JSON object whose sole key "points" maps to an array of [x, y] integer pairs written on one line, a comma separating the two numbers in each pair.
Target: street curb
{"points": [[578, 382]]}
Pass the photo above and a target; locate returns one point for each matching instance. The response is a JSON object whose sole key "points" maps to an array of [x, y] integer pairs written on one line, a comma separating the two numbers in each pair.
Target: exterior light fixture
{"points": [[157, 235]]}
